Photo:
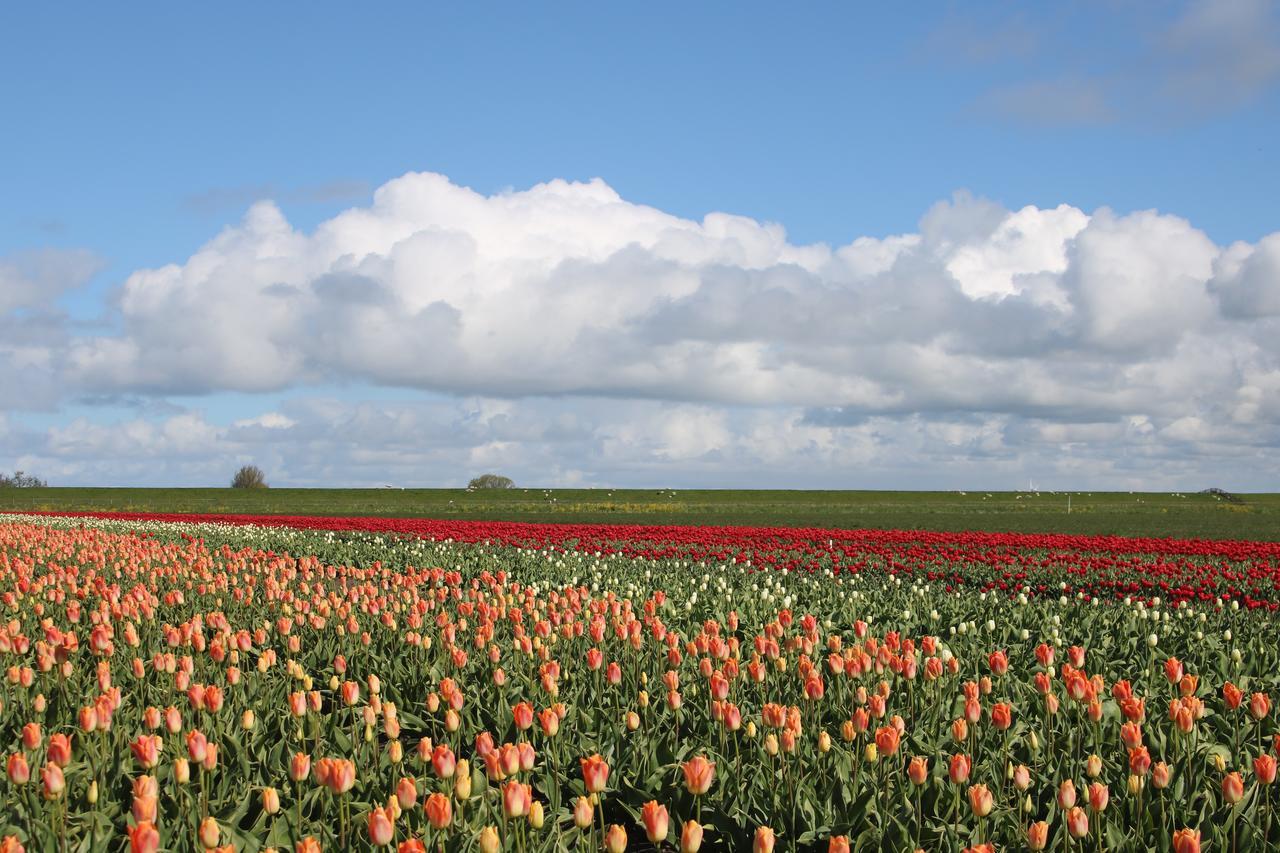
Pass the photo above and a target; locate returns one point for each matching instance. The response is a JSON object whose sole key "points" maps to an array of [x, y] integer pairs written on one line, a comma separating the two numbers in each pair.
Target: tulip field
{"points": [[189, 683]]}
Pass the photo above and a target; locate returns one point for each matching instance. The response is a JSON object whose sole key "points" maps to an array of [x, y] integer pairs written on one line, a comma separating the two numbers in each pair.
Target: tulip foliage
{"points": [[185, 686]]}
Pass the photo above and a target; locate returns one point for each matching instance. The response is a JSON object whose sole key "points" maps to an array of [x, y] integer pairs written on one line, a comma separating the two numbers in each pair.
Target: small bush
{"points": [[249, 477], [21, 480], [491, 481]]}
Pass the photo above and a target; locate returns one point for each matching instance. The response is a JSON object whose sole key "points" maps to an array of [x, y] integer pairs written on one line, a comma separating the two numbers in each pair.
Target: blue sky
{"points": [[135, 137]]}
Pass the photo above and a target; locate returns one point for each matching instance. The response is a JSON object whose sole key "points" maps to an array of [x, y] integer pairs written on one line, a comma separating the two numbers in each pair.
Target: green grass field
{"points": [[1149, 514]]}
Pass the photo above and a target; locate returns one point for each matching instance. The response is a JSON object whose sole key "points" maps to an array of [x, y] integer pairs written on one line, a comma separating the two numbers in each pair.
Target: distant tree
{"points": [[20, 480], [249, 477], [491, 481]]}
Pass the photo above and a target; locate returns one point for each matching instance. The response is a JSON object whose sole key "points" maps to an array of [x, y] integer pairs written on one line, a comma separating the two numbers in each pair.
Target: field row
{"points": [[190, 686]]}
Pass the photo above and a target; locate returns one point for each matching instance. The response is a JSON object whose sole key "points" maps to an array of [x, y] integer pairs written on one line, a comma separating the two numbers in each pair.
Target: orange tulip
{"points": [[656, 821], [406, 792], [144, 838], [918, 770], [489, 840], [381, 830], [1264, 769], [1186, 841], [1232, 788], [60, 749], [143, 808], [887, 740], [439, 810], [1077, 822], [699, 773], [146, 750], [1232, 696], [583, 811], [980, 800], [763, 842], [595, 773], [1160, 774], [209, 833], [444, 762], [690, 837], [959, 770], [516, 798], [1038, 835], [838, 844], [1259, 705], [197, 746], [615, 840], [18, 769], [1099, 796], [52, 781]]}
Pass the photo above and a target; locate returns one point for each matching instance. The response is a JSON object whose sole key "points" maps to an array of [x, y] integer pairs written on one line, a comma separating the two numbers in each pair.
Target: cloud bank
{"points": [[619, 343]]}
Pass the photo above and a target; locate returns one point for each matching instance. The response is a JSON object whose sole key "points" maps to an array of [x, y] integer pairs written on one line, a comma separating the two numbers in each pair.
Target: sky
{"points": [[938, 246]]}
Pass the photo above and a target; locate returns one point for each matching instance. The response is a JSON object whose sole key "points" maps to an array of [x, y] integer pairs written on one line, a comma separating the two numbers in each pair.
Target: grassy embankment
{"points": [[1122, 513]]}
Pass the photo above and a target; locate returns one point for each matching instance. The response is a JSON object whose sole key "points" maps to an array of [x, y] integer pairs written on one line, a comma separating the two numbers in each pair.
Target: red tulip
{"points": [[998, 662]]}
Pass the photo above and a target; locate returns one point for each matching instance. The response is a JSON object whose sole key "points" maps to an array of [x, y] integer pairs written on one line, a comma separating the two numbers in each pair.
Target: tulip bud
{"points": [[1160, 774], [690, 837], [582, 812], [93, 792], [209, 833]]}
